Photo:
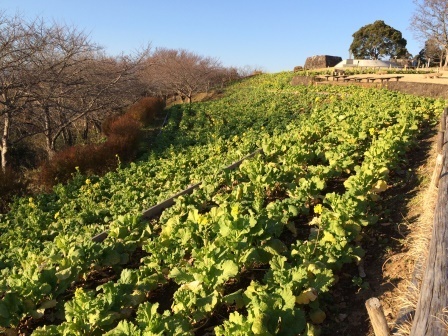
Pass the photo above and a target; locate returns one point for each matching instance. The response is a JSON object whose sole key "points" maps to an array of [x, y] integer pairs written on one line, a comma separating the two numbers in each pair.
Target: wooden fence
{"points": [[428, 319]]}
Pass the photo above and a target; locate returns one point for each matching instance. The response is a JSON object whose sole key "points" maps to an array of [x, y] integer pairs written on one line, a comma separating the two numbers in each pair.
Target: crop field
{"points": [[253, 251]]}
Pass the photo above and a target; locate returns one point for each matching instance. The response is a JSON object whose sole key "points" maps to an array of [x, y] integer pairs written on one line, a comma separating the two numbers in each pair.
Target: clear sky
{"points": [[273, 35]]}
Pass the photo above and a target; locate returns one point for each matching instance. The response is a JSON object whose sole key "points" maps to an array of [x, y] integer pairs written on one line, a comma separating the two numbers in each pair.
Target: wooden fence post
{"points": [[377, 317], [436, 172], [441, 133], [440, 140], [443, 121], [440, 155]]}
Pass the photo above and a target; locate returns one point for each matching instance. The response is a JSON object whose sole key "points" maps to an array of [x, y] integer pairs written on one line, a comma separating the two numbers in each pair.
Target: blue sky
{"points": [[267, 34]]}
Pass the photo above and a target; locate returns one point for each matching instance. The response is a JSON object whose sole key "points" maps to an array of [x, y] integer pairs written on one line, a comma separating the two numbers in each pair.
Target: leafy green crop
{"points": [[287, 219]]}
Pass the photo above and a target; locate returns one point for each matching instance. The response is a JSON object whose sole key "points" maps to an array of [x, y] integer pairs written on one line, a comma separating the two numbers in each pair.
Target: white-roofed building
{"points": [[365, 63]]}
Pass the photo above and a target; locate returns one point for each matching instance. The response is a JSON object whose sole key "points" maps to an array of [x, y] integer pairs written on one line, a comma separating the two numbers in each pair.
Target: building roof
{"points": [[366, 64]]}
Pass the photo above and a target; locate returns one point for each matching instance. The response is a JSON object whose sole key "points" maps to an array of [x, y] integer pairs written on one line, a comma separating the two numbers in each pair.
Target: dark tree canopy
{"points": [[377, 40]]}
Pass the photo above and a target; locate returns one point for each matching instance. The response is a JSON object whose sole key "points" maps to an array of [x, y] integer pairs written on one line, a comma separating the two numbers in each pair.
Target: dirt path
{"points": [[423, 78]]}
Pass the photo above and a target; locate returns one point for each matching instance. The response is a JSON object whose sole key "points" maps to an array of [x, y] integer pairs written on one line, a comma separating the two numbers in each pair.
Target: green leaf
{"points": [[180, 275], [128, 276], [45, 288], [293, 210], [124, 328], [4, 311], [111, 258], [235, 298], [64, 274], [292, 322], [208, 302], [229, 268], [275, 246], [256, 255]]}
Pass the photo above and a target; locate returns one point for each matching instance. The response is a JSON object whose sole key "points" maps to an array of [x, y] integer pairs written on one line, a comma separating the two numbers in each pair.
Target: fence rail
{"points": [[428, 319]]}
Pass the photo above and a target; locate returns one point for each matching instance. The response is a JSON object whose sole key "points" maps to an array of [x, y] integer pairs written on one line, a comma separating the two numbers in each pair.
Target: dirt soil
{"points": [[388, 264], [416, 84], [419, 84]]}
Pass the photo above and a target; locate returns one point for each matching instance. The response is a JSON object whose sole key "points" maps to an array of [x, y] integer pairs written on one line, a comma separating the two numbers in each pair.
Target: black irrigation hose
{"points": [[164, 122], [158, 208]]}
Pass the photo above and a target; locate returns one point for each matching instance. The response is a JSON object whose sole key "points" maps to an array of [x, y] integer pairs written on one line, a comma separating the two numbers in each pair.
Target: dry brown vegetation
{"points": [[123, 134]]}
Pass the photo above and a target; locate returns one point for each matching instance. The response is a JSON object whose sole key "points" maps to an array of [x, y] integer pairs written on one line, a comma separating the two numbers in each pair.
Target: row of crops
{"points": [[254, 251]]}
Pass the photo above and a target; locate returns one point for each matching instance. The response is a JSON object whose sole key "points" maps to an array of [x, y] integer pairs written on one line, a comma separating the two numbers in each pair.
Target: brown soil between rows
{"points": [[388, 265], [390, 261]]}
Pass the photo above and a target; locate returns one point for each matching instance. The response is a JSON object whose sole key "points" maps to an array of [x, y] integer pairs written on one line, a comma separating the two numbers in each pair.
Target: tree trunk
{"points": [[190, 96], [97, 126], [446, 57], [4, 143], [85, 132], [50, 148], [67, 136], [49, 138]]}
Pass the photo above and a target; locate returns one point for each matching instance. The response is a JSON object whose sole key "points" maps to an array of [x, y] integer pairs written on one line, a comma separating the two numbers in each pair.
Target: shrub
{"points": [[61, 167], [123, 126], [106, 125], [123, 139], [146, 109], [12, 184], [123, 135]]}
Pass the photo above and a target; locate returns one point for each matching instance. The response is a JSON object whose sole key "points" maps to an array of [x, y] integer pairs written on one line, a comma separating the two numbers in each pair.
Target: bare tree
{"points": [[15, 52], [80, 88], [115, 83], [430, 22], [182, 72], [58, 71], [54, 79], [434, 53]]}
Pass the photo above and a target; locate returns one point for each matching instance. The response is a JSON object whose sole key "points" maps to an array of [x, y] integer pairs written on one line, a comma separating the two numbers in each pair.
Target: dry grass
{"points": [[406, 299], [404, 329], [443, 317], [417, 242]]}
